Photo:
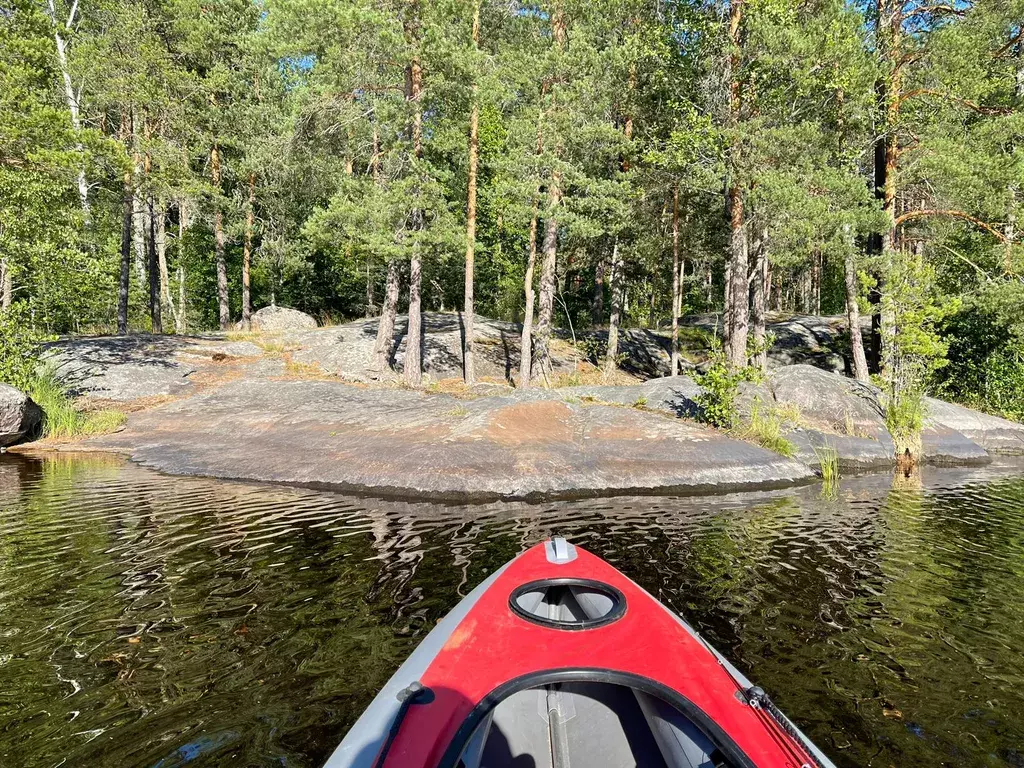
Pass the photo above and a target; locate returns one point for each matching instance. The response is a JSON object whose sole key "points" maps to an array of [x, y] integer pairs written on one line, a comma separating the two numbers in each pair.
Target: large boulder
{"points": [[276, 318], [835, 412], [847, 415], [20, 418], [946, 446]]}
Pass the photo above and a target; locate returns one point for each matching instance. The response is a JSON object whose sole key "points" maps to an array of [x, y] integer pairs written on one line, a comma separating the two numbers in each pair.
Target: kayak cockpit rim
{"points": [[719, 739]]}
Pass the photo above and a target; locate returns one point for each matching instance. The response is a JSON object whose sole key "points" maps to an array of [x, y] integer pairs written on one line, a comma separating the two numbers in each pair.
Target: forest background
{"points": [[170, 165]]}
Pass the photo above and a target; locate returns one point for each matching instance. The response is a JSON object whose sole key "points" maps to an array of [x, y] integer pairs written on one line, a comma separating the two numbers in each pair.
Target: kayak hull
{"points": [[558, 652]]}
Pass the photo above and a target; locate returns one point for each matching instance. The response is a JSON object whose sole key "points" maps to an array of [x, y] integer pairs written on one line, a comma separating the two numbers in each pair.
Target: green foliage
{"points": [[308, 100], [1003, 391], [913, 350], [19, 348], [986, 366], [720, 385], [904, 418]]}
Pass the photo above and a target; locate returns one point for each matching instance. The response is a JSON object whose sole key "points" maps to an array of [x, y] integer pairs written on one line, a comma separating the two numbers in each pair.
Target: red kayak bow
{"points": [[560, 660]]}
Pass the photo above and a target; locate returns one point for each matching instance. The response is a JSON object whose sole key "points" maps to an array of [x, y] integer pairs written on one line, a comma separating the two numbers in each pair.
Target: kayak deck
{"points": [[559, 660]]}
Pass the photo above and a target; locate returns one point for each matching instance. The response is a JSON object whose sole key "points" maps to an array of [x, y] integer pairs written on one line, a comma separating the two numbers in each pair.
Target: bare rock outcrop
{"points": [[408, 443]]}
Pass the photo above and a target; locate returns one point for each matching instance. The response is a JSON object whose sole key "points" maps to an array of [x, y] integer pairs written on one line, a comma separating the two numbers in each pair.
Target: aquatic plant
{"points": [[828, 468]]}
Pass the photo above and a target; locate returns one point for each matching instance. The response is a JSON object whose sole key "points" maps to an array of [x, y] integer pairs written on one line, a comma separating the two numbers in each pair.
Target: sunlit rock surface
{"points": [[408, 443]]}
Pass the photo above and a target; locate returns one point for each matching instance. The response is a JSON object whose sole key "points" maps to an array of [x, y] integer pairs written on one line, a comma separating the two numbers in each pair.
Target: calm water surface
{"points": [[154, 621]]}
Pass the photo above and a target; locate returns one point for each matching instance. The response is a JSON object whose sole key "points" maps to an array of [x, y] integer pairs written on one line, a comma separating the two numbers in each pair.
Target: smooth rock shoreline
{"points": [[301, 408], [391, 442]]}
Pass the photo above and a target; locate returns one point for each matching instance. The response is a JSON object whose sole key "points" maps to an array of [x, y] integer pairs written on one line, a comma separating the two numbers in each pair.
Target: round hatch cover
{"points": [[568, 603]]}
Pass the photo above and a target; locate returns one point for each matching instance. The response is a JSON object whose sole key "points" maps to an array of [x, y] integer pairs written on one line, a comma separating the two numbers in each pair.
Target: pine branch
{"points": [[952, 213], [934, 10], [1010, 43], [979, 108]]}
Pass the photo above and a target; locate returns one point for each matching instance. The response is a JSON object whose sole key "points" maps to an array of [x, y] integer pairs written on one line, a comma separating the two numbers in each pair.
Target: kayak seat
{"points": [[587, 725]]}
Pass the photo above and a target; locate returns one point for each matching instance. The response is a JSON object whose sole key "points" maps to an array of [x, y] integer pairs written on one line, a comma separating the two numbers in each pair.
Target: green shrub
{"points": [[591, 349], [986, 364], [1003, 390], [720, 384], [904, 418], [19, 348]]}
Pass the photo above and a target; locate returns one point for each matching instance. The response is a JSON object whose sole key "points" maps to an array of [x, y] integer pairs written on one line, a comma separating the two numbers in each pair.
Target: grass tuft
{"points": [[61, 419], [766, 428]]}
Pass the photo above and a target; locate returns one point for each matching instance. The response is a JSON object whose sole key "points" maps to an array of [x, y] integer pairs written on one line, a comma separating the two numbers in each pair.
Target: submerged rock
{"points": [[276, 318], [20, 418]]}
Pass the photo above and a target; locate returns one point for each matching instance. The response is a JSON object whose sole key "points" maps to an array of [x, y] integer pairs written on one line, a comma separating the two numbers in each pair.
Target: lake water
{"points": [[155, 621]]}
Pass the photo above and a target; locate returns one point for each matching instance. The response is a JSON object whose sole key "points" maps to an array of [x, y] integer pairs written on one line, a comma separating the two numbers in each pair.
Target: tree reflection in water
{"points": [[148, 620]]}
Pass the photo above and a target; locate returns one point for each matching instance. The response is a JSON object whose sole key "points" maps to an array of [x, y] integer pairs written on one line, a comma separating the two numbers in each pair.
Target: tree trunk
{"points": [[166, 300], [184, 223], [469, 368], [6, 285], [738, 315], [250, 219], [597, 305], [224, 309], [547, 281], [181, 300], [386, 323], [759, 307], [542, 351], [611, 361], [413, 87], [153, 267], [138, 233], [526, 342], [819, 268], [677, 294], [371, 304], [70, 96], [127, 218], [1010, 230], [860, 361], [727, 305], [414, 336], [737, 309], [890, 31]]}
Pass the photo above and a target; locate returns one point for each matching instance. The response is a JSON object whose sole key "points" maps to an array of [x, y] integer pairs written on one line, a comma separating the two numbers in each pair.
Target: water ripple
{"points": [[155, 621]]}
